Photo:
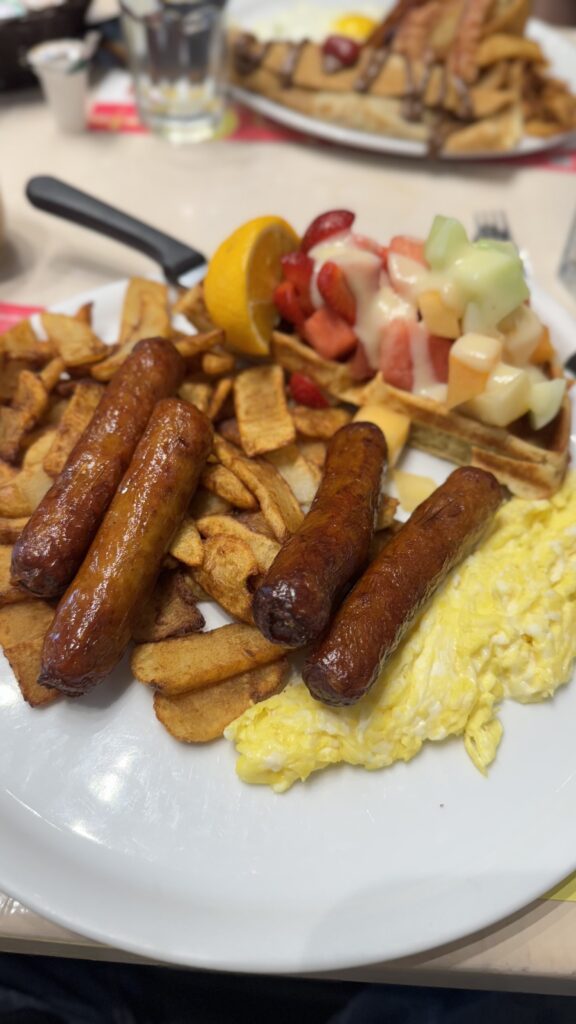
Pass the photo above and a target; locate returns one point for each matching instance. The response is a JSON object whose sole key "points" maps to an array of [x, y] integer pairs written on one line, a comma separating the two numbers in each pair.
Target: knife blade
{"points": [[182, 265]]}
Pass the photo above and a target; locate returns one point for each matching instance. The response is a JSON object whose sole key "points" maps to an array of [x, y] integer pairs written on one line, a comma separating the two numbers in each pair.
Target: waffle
{"points": [[531, 464], [457, 75]]}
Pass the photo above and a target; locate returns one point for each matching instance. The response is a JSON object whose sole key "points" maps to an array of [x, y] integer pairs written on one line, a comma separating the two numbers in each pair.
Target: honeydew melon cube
{"points": [[493, 280], [545, 401], [445, 242], [507, 396], [522, 331]]}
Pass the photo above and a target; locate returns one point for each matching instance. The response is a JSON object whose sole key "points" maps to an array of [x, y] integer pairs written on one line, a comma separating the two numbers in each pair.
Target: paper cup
{"points": [[64, 89]]}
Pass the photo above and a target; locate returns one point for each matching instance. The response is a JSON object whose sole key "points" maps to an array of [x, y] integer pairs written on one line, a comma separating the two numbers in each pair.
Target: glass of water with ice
{"points": [[175, 51]]}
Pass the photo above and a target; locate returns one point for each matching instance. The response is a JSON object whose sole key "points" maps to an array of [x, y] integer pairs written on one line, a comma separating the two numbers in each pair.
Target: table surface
{"points": [[198, 193]]}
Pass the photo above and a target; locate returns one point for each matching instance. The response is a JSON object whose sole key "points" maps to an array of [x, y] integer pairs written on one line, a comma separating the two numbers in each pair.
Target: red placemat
{"points": [[11, 314]]}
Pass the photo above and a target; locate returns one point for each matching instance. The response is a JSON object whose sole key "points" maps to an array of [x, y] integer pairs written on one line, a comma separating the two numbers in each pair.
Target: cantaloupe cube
{"points": [[437, 316], [394, 425], [412, 490], [472, 359]]}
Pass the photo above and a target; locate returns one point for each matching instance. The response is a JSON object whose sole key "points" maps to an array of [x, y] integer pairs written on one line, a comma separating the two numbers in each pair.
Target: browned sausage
{"points": [[93, 621], [312, 571], [385, 601], [52, 545]]}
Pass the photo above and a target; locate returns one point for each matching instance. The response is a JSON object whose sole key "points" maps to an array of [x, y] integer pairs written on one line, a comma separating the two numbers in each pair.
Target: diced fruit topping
{"points": [[394, 425], [491, 279], [407, 275], [329, 334], [506, 397], [298, 268], [325, 226], [336, 292], [396, 355], [543, 353], [369, 245], [413, 248], [437, 316], [472, 359], [439, 352], [306, 391], [343, 49], [287, 303], [445, 242], [545, 401], [522, 331], [358, 367]]}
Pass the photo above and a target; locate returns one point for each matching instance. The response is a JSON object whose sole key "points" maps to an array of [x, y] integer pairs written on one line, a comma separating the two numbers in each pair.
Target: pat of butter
{"points": [[394, 425], [412, 490]]}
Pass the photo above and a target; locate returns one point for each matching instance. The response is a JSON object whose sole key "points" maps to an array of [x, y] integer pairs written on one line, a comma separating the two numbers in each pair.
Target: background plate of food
{"points": [[455, 79], [116, 830]]}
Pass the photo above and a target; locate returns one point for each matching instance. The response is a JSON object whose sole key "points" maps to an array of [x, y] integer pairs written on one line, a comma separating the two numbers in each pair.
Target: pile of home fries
{"points": [[263, 473]]}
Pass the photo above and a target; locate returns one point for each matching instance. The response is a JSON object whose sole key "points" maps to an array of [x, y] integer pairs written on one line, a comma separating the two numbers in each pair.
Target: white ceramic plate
{"points": [[280, 18], [115, 830]]}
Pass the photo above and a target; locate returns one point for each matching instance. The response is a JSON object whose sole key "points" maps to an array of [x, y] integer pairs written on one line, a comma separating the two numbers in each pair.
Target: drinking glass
{"points": [[175, 51]]}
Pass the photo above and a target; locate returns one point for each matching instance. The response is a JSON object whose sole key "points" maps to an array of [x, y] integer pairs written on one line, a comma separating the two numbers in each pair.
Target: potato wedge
{"points": [[20, 496], [264, 548], [293, 355], [201, 716], [31, 619], [191, 305], [21, 343], [28, 405], [198, 393], [229, 430], [217, 364], [9, 592], [228, 566], [10, 529], [319, 424], [302, 477], [203, 659], [261, 410], [205, 503], [145, 311], [84, 314], [187, 545], [25, 659], [190, 346], [314, 452], [167, 613], [73, 339], [227, 485], [386, 512], [277, 502], [76, 417], [220, 396]]}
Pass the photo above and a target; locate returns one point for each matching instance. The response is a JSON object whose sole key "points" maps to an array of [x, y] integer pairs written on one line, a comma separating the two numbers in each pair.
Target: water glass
{"points": [[176, 55]]}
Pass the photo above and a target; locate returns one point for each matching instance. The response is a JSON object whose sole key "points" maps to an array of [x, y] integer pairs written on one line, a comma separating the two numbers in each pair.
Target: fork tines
{"points": [[492, 224]]}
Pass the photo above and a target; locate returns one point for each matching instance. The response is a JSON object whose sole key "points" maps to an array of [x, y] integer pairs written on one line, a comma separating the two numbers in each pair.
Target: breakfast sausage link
{"points": [[58, 534], [93, 622], [409, 569], [312, 570]]}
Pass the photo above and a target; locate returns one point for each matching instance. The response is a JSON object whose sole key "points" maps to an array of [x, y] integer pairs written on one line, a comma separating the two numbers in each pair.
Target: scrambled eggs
{"points": [[503, 626]]}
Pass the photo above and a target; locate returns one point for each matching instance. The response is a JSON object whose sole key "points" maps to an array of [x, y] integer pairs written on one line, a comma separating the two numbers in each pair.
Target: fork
{"points": [[494, 225]]}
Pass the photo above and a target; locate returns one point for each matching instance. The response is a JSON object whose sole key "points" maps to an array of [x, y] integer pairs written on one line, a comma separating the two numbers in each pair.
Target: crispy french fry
{"points": [[302, 477], [21, 343], [166, 614], [77, 415], [30, 620], [264, 548], [228, 566], [21, 495], [145, 311], [198, 393], [314, 452], [319, 424], [25, 659], [202, 659], [7, 472], [276, 500], [217, 364], [37, 449], [386, 512], [73, 339], [191, 305], [192, 345], [229, 431], [205, 503], [256, 522], [10, 371], [219, 397], [50, 374], [29, 403], [188, 589], [187, 545], [9, 592], [201, 716], [261, 410], [84, 314], [10, 529], [226, 485]]}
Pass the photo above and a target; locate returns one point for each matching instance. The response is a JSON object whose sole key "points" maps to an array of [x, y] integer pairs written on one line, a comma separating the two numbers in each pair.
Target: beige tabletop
{"points": [[198, 194]]}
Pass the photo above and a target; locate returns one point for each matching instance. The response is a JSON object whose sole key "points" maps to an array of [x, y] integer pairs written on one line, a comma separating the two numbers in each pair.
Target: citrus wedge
{"points": [[241, 279]]}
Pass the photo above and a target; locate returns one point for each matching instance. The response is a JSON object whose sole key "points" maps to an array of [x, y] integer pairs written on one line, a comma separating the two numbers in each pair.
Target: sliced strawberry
{"points": [[369, 245], [439, 351], [305, 391], [287, 303], [326, 225], [411, 247], [298, 268], [358, 367], [336, 291], [396, 354], [329, 334]]}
